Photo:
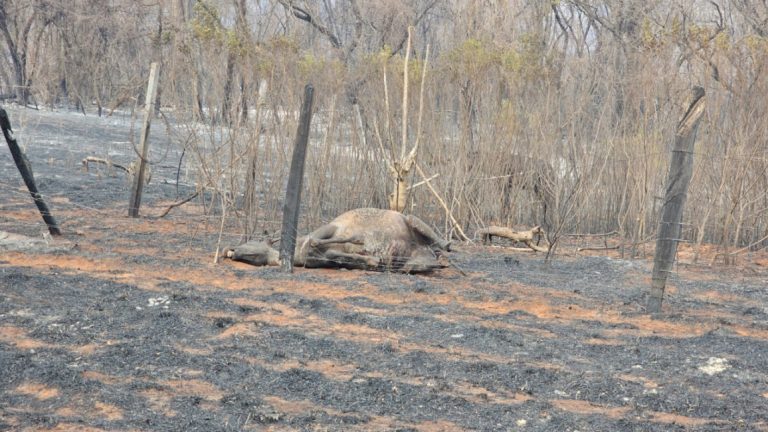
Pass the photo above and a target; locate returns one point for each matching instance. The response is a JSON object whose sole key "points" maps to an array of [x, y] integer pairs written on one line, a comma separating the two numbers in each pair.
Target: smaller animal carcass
{"points": [[362, 239]]}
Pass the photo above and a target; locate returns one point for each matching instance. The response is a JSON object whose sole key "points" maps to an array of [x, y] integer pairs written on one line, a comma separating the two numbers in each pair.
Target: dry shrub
{"points": [[553, 113]]}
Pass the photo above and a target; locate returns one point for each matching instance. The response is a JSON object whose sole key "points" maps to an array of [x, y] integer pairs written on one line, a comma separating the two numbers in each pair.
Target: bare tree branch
{"points": [[415, 22], [304, 14], [752, 16]]}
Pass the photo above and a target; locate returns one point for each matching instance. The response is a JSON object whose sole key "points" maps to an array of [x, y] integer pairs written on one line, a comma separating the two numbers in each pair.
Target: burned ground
{"points": [[132, 327]]}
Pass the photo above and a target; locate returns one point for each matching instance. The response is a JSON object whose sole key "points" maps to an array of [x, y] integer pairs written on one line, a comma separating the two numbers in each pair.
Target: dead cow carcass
{"points": [[364, 239]]}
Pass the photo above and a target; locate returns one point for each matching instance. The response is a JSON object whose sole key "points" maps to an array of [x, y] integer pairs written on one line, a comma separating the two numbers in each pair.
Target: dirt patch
{"points": [[586, 408], [38, 391]]}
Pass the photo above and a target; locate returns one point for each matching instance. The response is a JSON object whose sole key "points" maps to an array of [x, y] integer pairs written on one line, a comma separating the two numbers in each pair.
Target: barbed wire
{"points": [[480, 260], [494, 262], [205, 218], [20, 191], [59, 135]]}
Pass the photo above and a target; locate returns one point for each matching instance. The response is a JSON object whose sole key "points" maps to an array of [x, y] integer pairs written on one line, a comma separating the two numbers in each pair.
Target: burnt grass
{"points": [[132, 327]]}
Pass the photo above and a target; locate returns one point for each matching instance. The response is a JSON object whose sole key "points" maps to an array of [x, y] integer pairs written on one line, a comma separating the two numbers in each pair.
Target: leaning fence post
{"points": [[26, 173], [138, 178], [680, 171], [295, 178]]}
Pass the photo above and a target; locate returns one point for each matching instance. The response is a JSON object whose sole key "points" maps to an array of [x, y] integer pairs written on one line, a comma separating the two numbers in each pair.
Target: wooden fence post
{"points": [[22, 163], [149, 111], [295, 179], [680, 171]]}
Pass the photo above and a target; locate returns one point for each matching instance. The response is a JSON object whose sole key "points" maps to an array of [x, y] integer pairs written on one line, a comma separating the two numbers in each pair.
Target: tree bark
{"points": [[680, 171], [17, 52], [26, 173], [295, 180], [149, 111]]}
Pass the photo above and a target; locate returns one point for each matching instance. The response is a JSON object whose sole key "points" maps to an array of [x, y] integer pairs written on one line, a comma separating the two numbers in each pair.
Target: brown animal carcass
{"points": [[364, 239]]}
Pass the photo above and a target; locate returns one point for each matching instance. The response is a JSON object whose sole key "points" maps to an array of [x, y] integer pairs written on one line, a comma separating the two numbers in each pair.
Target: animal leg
{"points": [[305, 247], [334, 258], [324, 232], [435, 242], [335, 240]]}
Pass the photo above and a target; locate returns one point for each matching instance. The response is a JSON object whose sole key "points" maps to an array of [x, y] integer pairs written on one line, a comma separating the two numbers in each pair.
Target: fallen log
{"points": [[596, 248], [130, 169], [108, 163], [525, 237]]}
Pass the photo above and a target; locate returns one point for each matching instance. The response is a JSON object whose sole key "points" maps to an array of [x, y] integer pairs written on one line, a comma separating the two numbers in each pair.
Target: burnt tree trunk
{"points": [[149, 111], [295, 179], [17, 50], [226, 104], [680, 171]]}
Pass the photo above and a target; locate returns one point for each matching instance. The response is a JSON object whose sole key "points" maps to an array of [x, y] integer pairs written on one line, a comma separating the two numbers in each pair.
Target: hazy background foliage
{"points": [[559, 113]]}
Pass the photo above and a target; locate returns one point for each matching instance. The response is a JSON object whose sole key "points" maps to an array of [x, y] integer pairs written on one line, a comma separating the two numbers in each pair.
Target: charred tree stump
{"points": [[680, 171], [149, 111], [295, 180], [26, 173]]}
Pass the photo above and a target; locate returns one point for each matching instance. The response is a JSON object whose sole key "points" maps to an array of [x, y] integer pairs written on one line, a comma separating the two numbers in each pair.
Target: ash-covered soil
{"points": [[126, 324]]}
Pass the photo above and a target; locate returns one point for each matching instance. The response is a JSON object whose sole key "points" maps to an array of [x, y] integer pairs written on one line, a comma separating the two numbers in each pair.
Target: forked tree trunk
{"points": [[401, 168], [399, 196], [16, 52]]}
